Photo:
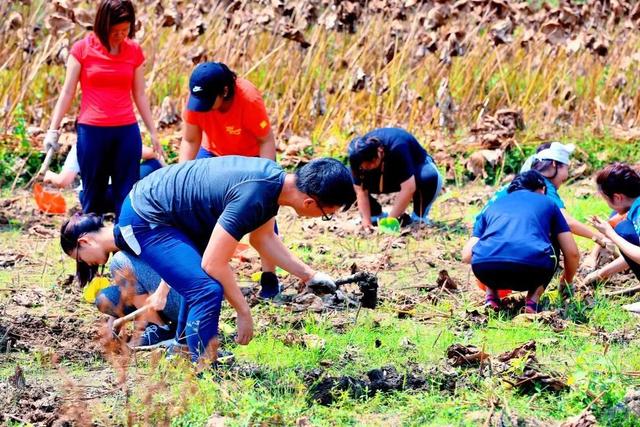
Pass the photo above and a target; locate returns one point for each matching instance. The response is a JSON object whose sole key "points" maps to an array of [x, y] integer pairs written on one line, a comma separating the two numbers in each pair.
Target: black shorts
{"points": [[511, 275]]}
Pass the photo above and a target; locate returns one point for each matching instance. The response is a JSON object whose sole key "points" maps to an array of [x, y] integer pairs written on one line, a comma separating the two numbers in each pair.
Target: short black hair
{"points": [[71, 230], [362, 149], [530, 180], [328, 180], [619, 178], [110, 13]]}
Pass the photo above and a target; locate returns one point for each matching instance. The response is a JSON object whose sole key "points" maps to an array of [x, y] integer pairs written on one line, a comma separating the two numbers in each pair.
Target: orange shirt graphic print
{"points": [[233, 130]]}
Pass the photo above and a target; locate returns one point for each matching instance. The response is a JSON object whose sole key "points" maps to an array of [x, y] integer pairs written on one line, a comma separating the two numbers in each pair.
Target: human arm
{"points": [[362, 197], [66, 95], [580, 229], [148, 153], [61, 180], [407, 189], [268, 146], [215, 262], [616, 266], [271, 248], [158, 299], [467, 250], [142, 102], [571, 256], [191, 140], [628, 248]]}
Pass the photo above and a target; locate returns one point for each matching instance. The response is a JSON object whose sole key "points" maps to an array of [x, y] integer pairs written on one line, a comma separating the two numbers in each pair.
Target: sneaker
{"points": [[269, 285], [176, 349], [492, 303], [155, 336], [419, 219]]}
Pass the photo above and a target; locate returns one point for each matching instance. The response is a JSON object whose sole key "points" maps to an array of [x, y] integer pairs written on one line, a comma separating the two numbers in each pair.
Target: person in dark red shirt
{"points": [[108, 65]]}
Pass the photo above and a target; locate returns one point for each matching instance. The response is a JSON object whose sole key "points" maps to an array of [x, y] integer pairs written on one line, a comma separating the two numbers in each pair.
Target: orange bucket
{"points": [[50, 202], [501, 292]]}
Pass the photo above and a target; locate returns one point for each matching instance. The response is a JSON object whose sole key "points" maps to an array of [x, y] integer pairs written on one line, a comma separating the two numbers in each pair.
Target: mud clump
{"points": [[67, 338], [326, 390], [31, 403]]}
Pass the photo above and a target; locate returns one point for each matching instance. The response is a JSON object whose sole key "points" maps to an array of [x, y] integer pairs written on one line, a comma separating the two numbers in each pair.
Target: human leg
{"points": [[124, 164]]}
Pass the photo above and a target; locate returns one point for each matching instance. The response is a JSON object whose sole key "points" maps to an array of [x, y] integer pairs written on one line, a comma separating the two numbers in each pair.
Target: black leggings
{"points": [[511, 275]]}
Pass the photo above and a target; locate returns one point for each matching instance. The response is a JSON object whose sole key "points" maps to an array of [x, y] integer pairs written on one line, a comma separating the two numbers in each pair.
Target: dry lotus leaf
{"points": [[59, 23], [13, 22], [289, 32], [297, 145], [460, 355]]}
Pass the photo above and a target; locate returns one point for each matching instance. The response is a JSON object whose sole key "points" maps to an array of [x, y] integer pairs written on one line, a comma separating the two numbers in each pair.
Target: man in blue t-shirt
{"points": [[511, 246], [390, 160], [185, 221]]}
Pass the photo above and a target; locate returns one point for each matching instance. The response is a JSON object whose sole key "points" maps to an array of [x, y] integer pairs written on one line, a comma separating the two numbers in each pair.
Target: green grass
{"points": [[276, 393]]}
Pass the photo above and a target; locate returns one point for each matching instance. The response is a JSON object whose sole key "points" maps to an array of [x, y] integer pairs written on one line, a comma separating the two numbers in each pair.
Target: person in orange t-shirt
{"points": [[225, 115]]}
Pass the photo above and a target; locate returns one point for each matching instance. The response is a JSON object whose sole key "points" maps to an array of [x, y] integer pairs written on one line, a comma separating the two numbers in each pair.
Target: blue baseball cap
{"points": [[207, 82]]}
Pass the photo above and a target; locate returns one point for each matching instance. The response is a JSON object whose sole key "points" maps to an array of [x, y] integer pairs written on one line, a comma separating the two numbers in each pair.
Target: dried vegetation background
{"points": [[467, 76]]}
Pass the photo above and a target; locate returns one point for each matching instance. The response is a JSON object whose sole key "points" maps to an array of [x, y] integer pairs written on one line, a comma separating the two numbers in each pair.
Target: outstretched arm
{"points": [[270, 247]]}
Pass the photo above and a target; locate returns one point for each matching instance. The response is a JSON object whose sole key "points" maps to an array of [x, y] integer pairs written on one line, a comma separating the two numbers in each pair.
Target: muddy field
{"points": [[60, 366]]}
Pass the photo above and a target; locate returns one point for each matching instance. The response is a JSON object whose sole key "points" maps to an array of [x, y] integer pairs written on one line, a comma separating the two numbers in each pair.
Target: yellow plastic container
{"points": [[90, 292]]}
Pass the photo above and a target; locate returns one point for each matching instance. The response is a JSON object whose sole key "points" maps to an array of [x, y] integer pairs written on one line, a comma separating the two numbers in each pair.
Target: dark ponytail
{"points": [[74, 228], [529, 180]]}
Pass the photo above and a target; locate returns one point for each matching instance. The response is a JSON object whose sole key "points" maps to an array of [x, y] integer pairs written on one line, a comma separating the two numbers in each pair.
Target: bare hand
{"points": [[157, 148], [367, 227], [157, 301], [49, 177], [602, 226], [591, 278], [245, 329]]}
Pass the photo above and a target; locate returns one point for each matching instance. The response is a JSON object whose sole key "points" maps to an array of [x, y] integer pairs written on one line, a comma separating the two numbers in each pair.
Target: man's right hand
{"points": [[51, 140], [321, 283]]}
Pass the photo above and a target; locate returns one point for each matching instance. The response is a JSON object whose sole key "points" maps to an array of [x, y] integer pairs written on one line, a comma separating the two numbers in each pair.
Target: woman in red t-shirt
{"points": [[108, 65]]}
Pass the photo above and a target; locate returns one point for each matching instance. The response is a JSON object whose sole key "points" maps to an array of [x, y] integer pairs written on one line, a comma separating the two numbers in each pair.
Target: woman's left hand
{"points": [[157, 148]]}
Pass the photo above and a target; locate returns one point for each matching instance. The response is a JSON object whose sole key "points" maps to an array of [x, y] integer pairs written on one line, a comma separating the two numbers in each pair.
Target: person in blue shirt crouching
{"points": [[619, 186], [185, 222], [390, 160], [512, 246]]}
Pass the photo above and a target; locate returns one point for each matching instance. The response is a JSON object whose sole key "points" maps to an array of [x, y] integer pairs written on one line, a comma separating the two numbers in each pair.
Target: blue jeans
{"points": [[146, 167], [204, 154], [107, 152], [627, 231], [146, 282], [428, 187], [177, 259]]}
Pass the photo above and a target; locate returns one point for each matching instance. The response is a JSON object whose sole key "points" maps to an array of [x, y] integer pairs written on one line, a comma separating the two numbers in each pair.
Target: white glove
{"points": [[51, 140], [321, 283]]}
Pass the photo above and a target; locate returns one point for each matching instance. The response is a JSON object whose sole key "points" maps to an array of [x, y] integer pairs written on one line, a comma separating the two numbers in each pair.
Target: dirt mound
{"points": [[29, 403], [65, 338]]}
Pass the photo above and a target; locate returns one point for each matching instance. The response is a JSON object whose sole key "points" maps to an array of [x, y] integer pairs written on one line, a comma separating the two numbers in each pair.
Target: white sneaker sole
{"points": [[164, 343]]}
